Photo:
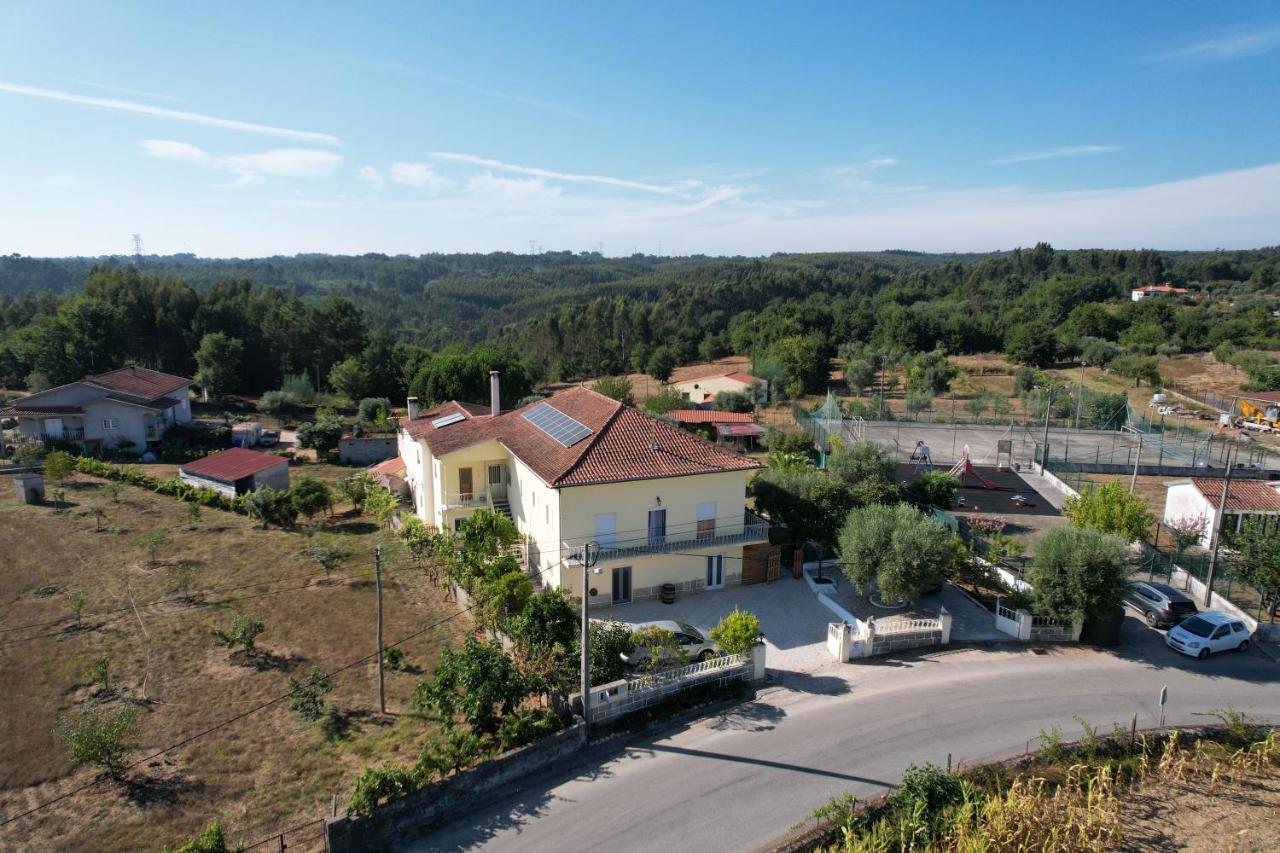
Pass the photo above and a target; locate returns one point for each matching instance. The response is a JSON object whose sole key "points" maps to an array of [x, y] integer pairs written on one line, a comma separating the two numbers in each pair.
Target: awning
{"points": [[739, 430]]}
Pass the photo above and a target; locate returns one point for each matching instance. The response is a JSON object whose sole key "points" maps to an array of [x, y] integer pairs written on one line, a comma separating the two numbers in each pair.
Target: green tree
{"points": [[152, 543], [858, 374], [1078, 573], [310, 497], [655, 647], [350, 379], [97, 736], [617, 387], [1032, 343], [737, 633], [355, 488], [501, 598], [662, 361], [900, 551], [1256, 559], [243, 632], [1111, 509], [210, 840], [666, 400], [218, 363], [478, 683], [306, 695], [58, 466], [322, 435], [270, 506], [278, 405], [805, 364], [735, 401], [548, 620], [935, 488], [382, 504], [930, 373], [977, 405], [609, 641]]}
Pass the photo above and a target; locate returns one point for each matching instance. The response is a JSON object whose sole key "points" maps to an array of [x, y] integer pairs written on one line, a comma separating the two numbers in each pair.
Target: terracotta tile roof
{"points": [[393, 466], [634, 446], [231, 465], [743, 377], [736, 375], [159, 404], [138, 382], [1263, 396], [709, 416], [17, 410], [1244, 495], [619, 447]]}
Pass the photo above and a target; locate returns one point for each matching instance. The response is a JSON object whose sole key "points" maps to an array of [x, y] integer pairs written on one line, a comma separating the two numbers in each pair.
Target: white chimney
{"points": [[495, 407], [413, 408]]}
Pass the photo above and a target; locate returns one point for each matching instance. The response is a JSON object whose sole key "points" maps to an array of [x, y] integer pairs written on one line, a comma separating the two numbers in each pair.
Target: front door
{"points": [[715, 571], [53, 427], [622, 585], [657, 526], [497, 481], [465, 487]]}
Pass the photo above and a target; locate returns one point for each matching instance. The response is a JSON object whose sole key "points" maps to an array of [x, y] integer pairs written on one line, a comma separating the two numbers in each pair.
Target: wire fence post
{"points": [[377, 579]]}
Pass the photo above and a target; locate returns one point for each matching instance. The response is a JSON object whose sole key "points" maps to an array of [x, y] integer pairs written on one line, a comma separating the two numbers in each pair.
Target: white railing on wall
{"points": [[675, 538]]}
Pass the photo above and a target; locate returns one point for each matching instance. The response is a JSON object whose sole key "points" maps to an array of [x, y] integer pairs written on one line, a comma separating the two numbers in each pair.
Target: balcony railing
{"points": [[67, 435], [677, 538], [466, 500]]}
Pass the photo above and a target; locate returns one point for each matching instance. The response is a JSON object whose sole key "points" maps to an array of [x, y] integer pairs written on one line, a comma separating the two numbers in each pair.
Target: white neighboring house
{"points": [[1140, 293], [1187, 500], [660, 505], [131, 403], [236, 471], [703, 390]]}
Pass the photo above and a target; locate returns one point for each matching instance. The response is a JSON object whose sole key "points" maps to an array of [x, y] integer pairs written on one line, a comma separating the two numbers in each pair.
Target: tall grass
{"points": [[1070, 800]]}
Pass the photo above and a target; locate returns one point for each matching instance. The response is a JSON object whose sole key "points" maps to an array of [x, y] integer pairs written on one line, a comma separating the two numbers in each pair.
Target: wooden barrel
{"points": [[667, 595]]}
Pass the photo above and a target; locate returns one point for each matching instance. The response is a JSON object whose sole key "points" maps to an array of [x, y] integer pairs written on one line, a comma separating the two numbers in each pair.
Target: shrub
{"points": [[609, 640], [58, 466], [617, 387], [242, 632], [935, 488], [926, 793], [661, 646], [210, 840], [270, 506], [99, 737], [478, 682], [310, 497], [520, 729], [393, 658], [376, 786], [355, 487], [1078, 573], [306, 696], [737, 633], [382, 504], [1111, 509], [734, 401]]}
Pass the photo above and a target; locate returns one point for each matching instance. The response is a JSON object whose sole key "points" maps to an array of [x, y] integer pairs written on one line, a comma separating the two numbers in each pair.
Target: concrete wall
{"points": [[687, 570], [1184, 501], [366, 451], [227, 489], [413, 815], [277, 476]]}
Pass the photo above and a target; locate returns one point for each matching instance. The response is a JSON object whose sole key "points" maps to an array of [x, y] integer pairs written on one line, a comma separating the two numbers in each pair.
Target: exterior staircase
{"points": [[503, 505]]}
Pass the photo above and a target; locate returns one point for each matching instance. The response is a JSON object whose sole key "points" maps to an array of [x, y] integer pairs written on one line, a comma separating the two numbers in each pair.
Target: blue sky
{"points": [[254, 129]]}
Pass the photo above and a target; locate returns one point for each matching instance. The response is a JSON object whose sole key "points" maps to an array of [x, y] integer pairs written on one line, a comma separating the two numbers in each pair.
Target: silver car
{"points": [[693, 642]]}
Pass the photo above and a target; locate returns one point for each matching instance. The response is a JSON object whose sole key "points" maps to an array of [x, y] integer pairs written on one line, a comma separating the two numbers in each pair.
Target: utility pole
{"points": [[1080, 392], [1217, 534], [1161, 460], [588, 560], [1044, 453], [377, 581], [1133, 481]]}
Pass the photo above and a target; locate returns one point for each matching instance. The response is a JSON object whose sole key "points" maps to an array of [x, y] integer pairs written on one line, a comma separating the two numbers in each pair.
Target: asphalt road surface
{"points": [[741, 779]]}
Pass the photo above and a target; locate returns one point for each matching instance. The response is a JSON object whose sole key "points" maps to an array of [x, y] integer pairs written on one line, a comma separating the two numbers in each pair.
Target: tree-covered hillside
{"points": [[564, 315]]}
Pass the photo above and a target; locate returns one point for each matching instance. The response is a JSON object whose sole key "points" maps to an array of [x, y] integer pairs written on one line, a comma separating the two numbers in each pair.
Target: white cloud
{"points": [[569, 177], [418, 175], [1233, 44], [276, 163], [175, 115], [1058, 153], [121, 90], [371, 175]]}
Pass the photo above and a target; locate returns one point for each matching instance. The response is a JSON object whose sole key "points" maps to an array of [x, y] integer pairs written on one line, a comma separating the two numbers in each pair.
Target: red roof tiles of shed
{"points": [[231, 465]]}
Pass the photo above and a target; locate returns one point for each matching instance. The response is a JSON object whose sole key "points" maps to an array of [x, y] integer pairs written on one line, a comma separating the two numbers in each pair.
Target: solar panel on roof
{"points": [[448, 419], [557, 424]]}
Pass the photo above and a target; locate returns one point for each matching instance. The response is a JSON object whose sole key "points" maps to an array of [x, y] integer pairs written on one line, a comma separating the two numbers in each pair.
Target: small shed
{"points": [[236, 471]]}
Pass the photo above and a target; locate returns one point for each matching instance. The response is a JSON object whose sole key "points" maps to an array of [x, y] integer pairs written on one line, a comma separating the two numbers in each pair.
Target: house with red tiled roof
{"points": [[126, 406], [1140, 293], [1199, 498], [703, 390], [237, 471], [656, 504]]}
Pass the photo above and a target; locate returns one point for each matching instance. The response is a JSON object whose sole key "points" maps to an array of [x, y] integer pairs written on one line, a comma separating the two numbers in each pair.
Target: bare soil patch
{"points": [[1236, 815]]}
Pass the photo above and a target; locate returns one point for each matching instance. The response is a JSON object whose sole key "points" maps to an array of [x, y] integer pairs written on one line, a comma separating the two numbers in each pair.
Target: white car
{"points": [[1206, 633], [691, 641]]}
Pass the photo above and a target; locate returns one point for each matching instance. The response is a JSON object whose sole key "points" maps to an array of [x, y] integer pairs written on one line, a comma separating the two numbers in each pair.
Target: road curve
{"points": [[741, 779]]}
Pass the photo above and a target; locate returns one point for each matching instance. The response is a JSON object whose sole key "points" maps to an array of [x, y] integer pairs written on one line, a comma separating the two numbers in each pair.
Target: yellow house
{"points": [[657, 504]]}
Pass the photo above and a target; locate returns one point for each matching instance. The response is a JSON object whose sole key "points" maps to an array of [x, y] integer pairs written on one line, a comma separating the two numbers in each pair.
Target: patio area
{"points": [[792, 620]]}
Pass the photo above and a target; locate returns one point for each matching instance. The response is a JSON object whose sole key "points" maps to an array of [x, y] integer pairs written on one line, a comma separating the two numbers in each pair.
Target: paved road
{"points": [[739, 780]]}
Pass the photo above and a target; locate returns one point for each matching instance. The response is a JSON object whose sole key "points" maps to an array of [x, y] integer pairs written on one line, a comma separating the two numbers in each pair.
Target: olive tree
{"points": [[896, 549], [1110, 509], [1078, 572], [98, 736]]}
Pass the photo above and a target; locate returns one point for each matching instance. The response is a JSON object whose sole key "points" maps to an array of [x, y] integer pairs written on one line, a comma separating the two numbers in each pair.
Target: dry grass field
{"points": [[261, 774]]}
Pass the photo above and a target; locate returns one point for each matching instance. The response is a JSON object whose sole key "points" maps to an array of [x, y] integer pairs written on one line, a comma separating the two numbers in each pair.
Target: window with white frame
{"points": [[706, 519], [111, 423]]}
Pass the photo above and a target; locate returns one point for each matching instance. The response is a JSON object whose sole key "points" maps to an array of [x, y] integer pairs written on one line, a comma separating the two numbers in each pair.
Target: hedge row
{"points": [[172, 486]]}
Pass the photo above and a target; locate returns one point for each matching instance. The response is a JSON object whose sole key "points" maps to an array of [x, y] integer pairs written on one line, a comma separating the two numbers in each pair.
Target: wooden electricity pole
{"points": [[1219, 523], [588, 560], [377, 581]]}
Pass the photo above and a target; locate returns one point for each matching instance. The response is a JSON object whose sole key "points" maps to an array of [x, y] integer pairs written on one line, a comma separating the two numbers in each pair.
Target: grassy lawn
{"points": [[261, 774]]}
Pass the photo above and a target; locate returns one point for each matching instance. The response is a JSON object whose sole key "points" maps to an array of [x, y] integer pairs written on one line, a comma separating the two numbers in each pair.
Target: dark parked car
{"points": [[1160, 604]]}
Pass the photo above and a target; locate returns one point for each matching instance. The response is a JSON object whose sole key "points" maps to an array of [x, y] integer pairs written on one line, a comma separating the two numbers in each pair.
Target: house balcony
{"points": [[67, 435], [677, 538], [466, 500]]}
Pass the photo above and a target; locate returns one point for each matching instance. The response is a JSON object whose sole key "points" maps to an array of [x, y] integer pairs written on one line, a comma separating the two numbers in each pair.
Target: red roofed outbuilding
{"points": [[237, 471]]}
